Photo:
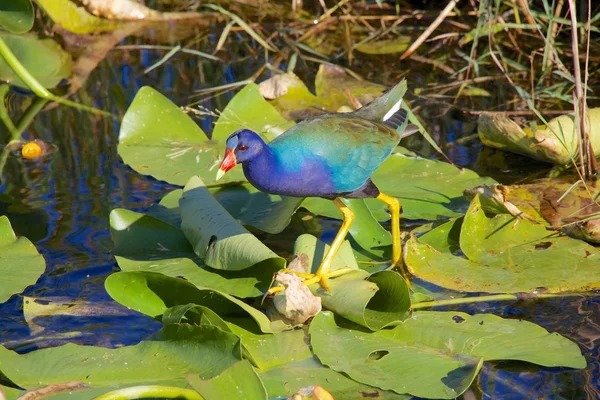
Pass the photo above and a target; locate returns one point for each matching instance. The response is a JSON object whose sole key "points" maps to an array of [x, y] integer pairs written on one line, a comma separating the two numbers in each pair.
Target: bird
{"points": [[332, 156]]}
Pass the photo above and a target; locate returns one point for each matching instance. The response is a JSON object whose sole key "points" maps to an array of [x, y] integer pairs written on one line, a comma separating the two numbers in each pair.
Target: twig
{"points": [[430, 29]]}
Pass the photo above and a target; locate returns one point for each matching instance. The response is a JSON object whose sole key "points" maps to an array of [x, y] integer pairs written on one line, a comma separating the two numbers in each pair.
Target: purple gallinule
{"points": [[331, 156]]}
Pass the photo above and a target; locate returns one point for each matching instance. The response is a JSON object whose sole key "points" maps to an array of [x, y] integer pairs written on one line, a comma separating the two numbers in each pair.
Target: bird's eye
{"points": [[243, 147]]}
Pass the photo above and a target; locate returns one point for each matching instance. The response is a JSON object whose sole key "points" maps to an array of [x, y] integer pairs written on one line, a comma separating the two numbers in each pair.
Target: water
{"points": [[62, 203]]}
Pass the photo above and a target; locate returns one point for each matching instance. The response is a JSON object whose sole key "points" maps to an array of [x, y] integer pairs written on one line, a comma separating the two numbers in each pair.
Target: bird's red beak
{"points": [[228, 162]]}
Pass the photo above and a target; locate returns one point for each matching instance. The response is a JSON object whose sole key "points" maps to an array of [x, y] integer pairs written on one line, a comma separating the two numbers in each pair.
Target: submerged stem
{"points": [[493, 297]]}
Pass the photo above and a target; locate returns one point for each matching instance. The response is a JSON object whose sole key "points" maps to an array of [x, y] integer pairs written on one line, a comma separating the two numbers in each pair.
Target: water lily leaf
{"points": [[249, 110], [266, 212], [164, 358], [264, 350], [367, 232], [16, 16], [159, 139], [427, 189], [217, 237], [20, 263], [290, 97], [43, 58], [374, 301], [556, 143], [505, 255], [152, 294], [435, 354], [396, 45], [75, 18], [143, 243], [267, 351], [239, 381], [331, 81], [286, 379]]}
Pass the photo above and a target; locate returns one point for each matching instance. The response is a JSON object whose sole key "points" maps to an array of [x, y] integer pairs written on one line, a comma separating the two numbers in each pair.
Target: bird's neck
{"points": [[262, 167]]}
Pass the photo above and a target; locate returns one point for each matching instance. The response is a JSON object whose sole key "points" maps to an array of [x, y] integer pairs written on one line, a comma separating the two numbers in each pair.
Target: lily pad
{"points": [[152, 294], [249, 110], [435, 354], [427, 189], [217, 237], [75, 18], [143, 243], [290, 97], [392, 46], [239, 381], [264, 350], [285, 380], [165, 358], [16, 16], [267, 212], [556, 143], [159, 139], [43, 58], [331, 81], [504, 255], [20, 263], [267, 351]]}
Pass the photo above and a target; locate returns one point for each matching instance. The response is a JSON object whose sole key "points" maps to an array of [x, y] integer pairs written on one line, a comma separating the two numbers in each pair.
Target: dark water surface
{"points": [[62, 203]]}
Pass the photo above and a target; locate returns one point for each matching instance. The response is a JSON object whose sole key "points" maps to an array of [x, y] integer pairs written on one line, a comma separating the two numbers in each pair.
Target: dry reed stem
{"points": [[430, 29], [579, 106]]}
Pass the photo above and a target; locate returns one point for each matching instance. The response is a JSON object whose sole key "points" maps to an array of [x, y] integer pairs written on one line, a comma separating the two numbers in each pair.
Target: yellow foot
{"points": [[310, 279]]}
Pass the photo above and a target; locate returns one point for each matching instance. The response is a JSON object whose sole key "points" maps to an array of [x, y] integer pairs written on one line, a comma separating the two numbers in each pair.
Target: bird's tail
{"points": [[387, 108]]}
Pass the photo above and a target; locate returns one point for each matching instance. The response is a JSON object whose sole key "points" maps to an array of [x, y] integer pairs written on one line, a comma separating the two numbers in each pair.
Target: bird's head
{"points": [[242, 146]]}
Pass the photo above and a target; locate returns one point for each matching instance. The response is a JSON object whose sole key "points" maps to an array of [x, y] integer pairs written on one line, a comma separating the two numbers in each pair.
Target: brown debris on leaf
{"points": [[494, 200], [296, 303], [129, 10]]}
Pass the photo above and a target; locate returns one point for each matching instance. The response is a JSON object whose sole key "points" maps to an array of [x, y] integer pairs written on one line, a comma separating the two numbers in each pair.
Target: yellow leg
{"points": [[323, 271], [394, 207]]}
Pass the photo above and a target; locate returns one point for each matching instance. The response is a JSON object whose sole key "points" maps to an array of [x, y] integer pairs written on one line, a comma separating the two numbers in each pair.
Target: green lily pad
{"points": [[20, 263], [164, 358], [143, 243], [266, 212], [505, 255], [290, 97], [396, 45], [267, 351], [367, 232], [435, 354], [264, 350], [249, 110], [239, 381], [16, 16], [285, 380], [427, 189], [331, 81], [75, 18], [373, 301], [217, 237], [152, 294], [159, 139], [43, 58]]}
